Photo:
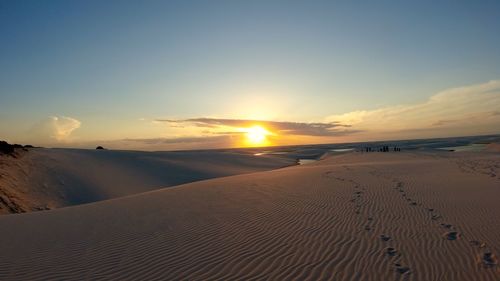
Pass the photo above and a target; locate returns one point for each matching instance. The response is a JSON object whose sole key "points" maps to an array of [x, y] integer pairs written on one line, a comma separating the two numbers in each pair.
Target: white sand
{"points": [[51, 178], [320, 221]]}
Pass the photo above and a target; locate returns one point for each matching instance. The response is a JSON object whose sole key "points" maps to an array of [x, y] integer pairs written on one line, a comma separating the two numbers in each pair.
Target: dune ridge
{"points": [[351, 217], [41, 179]]}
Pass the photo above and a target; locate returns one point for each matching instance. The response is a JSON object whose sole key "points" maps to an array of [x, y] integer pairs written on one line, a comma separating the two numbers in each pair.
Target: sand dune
{"points": [[495, 147], [375, 216], [50, 178]]}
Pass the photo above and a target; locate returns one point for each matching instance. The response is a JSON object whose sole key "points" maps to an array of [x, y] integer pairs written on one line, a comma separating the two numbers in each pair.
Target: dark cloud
{"points": [[288, 128]]}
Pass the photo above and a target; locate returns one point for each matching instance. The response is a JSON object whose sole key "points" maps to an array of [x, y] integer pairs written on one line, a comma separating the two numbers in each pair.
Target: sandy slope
{"points": [[50, 178], [494, 147], [376, 216]]}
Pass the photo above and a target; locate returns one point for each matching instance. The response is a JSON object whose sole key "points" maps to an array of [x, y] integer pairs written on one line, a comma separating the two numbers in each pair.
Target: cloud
{"points": [[465, 110], [285, 128], [63, 127], [55, 129]]}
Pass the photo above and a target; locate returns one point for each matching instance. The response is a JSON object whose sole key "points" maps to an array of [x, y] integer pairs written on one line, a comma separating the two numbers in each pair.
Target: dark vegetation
{"points": [[9, 149], [6, 148]]}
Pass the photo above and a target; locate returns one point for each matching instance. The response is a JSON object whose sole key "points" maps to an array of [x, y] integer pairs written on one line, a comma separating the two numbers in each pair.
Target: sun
{"points": [[256, 135]]}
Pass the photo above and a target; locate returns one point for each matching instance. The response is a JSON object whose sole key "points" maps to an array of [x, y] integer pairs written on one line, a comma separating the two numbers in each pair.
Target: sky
{"points": [[154, 75]]}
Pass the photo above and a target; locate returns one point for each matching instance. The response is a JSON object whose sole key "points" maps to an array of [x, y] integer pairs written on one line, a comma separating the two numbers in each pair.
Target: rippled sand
{"points": [[357, 216]]}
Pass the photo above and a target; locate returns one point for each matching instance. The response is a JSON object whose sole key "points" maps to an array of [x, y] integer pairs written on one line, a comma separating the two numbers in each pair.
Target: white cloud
{"points": [[465, 110], [63, 127], [55, 129]]}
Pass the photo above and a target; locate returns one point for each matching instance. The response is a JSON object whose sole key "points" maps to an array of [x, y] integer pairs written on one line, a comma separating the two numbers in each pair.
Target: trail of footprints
{"points": [[479, 166], [358, 201], [390, 251], [485, 257]]}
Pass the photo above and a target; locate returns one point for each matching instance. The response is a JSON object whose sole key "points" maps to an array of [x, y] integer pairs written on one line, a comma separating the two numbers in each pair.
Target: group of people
{"points": [[384, 148]]}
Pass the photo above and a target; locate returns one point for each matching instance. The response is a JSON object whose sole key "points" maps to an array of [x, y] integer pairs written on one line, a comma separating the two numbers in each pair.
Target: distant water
{"points": [[307, 153], [475, 147], [342, 149], [270, 153], [306, 161]]}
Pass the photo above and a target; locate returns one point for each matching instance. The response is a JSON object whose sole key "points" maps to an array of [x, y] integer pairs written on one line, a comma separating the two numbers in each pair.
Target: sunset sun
{"points": [[256, 135]]}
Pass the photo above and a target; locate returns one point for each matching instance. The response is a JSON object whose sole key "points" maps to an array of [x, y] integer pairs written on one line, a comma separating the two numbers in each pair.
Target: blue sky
{"points": [[117, 66]]}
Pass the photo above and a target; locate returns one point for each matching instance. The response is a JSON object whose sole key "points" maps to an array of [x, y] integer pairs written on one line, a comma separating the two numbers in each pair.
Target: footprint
{"points": [[367, 227], [435, 217], [413, 203], [477, 243], [385, 238], [446, 225], [391, 252], [451, 235], [430, 209], [402, 269], [489, 259]]}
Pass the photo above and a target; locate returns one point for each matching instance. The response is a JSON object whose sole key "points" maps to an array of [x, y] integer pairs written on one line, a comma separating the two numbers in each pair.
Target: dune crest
{"points": [[42, 179]]}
